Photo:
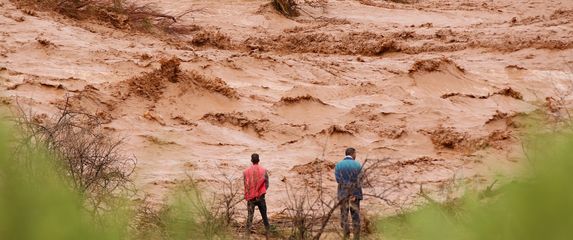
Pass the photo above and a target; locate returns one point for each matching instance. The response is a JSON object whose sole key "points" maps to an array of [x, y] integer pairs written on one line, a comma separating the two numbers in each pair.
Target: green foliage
{"points": [[189, 217], [538, 206], [185, 216]]}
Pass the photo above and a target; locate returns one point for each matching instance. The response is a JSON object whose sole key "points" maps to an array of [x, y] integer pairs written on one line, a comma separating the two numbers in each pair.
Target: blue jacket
{"points": [[347, 173]]}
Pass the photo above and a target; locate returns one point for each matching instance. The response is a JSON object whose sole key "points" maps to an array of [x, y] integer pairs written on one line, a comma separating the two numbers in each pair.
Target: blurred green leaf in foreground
{"points": [[538, 205], [35, 203]]}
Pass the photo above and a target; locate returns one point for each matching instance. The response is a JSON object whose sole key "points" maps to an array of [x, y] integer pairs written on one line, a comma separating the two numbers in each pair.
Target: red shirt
{"points": [[256, 182]]}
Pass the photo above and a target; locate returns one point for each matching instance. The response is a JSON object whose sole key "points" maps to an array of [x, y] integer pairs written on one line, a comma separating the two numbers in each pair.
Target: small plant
{"points": [[231, 196], [148, 221], [303, 211]]}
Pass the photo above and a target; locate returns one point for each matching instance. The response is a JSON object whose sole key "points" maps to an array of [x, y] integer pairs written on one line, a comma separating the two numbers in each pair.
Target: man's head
{"points": [[255, 158], [350, 152]]}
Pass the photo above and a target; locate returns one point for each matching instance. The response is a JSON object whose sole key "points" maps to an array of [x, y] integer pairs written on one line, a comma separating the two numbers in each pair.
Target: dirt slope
{"points": [[437, 86]]}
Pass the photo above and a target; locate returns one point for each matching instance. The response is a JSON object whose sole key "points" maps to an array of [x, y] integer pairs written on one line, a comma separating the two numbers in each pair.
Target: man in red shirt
{"points": [[256, 182]]}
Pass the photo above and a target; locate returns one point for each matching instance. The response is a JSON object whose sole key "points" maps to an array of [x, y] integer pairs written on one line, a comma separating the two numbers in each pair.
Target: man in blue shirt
{"points": [[348, 176]]}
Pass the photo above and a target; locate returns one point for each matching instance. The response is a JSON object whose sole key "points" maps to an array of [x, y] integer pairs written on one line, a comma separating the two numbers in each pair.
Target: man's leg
{"points": [[344, 218], [355, 212], [262, 204], [250, 213]]}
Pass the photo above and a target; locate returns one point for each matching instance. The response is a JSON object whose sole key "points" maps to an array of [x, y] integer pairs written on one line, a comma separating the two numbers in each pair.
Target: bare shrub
{"points": [[83, 152], [227, 201], [148, 221], [120, 14], [303, 210]]}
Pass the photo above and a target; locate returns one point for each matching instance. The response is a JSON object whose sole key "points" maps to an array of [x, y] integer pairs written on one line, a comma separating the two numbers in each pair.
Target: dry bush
{"points": [[148, 222], [120, 14], [304, 212], [227, 201], [82, 150]]}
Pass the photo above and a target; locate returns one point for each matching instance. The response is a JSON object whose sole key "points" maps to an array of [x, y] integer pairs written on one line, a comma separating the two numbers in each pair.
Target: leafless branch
{"points": [[81, 149]]}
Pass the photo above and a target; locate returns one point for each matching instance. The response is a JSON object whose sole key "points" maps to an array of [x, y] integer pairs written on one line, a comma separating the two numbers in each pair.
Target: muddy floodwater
{"points": [[440, 88]]}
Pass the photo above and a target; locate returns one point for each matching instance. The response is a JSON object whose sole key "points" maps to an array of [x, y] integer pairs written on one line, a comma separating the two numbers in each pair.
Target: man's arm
{"points": [[266, 180], [357, 172], [245, 182], [337, 174]]}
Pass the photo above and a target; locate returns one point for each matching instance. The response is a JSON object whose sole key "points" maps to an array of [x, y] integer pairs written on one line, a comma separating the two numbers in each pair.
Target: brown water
{"points": [[435, 86]]}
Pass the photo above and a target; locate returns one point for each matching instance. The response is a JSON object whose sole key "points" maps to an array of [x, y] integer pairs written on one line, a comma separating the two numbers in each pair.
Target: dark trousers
{"points": [[353, 206], [262, 205]]}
